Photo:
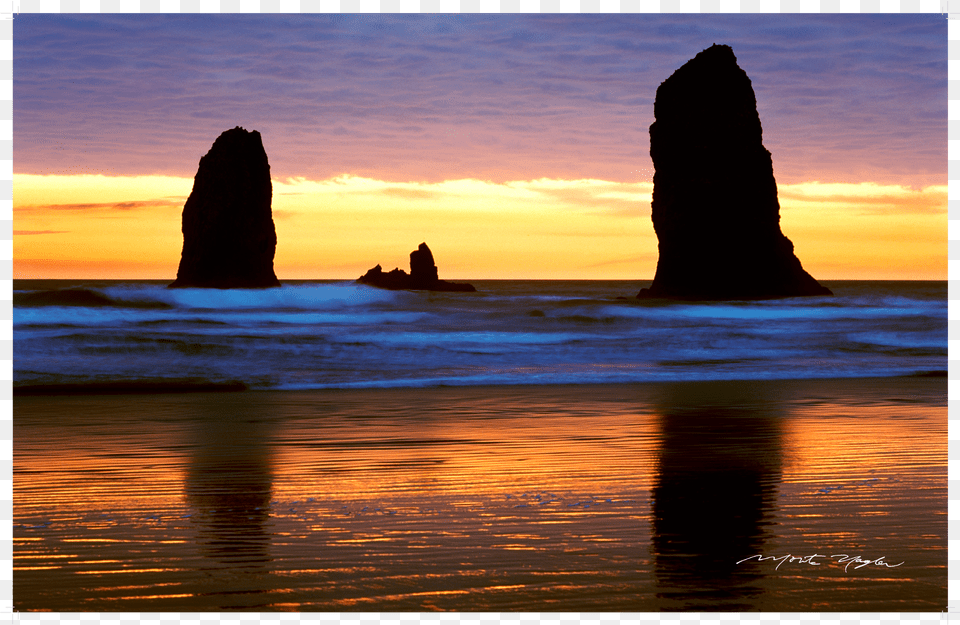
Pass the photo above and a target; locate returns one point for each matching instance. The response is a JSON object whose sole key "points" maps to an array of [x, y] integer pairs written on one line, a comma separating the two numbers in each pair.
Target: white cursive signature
{"points": [[839, 558]]}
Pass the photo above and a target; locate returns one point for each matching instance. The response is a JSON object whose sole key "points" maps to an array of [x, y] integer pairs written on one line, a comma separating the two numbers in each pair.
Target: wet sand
{"points": [[640, 497]]}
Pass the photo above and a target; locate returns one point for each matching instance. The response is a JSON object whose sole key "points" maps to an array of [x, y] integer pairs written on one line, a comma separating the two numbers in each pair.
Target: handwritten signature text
{"points": [[839, 558]]}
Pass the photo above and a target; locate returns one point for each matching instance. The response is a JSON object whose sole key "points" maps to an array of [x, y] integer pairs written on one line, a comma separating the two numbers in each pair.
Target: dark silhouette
{"points": [[714, 499], [715, 208], [422, 276], [229, 239]]}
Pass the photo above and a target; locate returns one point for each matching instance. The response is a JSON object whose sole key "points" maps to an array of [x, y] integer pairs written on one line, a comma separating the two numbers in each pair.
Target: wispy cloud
{"points": [[598, 195], [99, 206], [646, 259], [868, 198], [410, 194], [438, 97]]}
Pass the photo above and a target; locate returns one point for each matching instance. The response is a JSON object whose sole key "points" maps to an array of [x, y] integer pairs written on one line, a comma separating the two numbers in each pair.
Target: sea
{"points": [[328, 334], [552, 447]]}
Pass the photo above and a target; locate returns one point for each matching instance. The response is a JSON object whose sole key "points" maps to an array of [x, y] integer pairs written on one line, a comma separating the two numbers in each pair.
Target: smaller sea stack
{"points": [[229, 239], [715, 207], [422, 277]]}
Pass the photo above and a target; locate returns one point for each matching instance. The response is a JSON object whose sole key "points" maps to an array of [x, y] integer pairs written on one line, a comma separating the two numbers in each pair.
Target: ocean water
{"points": [[326, 334]]}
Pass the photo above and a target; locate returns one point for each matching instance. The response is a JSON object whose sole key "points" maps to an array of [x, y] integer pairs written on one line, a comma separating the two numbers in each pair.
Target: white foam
{"points": [[306, 296]]}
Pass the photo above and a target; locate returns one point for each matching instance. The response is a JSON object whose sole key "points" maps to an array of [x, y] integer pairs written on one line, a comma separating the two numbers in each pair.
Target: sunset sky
{"points": [[516, 146]]}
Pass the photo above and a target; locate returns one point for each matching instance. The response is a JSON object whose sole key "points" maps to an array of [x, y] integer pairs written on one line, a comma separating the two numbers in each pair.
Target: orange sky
{"points": [[95, 226]]}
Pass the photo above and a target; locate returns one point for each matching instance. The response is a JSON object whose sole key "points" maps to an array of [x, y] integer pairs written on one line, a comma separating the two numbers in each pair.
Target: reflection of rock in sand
{"points": [[718, 468], [228, 487]]}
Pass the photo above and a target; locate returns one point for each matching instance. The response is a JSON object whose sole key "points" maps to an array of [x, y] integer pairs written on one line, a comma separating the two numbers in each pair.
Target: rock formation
{"points": [[715, 208], [422, 276], [423, 271], [229, 239]]}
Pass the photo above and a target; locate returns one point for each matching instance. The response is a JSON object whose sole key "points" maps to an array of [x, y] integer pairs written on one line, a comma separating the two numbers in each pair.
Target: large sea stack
{"points": [[715, 208], [229, 239], [423, 275]]}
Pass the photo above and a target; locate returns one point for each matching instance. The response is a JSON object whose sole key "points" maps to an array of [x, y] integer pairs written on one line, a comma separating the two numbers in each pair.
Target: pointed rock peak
{"points": [[234, 134], [717, 56], [718, 51], [707, 88], [238, 139]]}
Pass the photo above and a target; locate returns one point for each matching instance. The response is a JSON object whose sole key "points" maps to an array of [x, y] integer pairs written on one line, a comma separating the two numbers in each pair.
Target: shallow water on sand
{"points": [[540, 498]]}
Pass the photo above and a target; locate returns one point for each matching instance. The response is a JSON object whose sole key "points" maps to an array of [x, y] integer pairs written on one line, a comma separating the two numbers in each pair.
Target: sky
{"points": [[516, 146]]}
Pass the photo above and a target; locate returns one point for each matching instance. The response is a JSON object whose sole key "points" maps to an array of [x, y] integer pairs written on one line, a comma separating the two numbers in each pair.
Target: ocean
{"points": [[537, 446], [324, 334]]}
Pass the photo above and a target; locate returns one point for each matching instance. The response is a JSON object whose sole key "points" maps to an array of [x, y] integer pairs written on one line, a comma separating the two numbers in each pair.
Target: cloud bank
{"points": [[842, 98]]}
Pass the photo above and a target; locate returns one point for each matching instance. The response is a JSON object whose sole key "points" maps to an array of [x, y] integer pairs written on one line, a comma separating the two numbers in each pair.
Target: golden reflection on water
{"points": [[532, 498]]}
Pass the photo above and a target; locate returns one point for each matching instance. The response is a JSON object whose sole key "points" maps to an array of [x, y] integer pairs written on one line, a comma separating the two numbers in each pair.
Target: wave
{"points": [[53, 316], [465, 338], [206, 322], [304, 297], [761, 311], [297, 296], [901, 340], [91, 298]]}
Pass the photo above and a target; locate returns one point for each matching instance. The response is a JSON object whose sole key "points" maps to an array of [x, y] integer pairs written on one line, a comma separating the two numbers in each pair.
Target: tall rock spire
{"points": [[229, 239], [715, 208]]}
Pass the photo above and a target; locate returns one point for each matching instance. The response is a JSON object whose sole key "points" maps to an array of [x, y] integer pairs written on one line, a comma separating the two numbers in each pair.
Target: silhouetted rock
{"points": [[396, 280], [422, 276], [715, 208], [229, 239], [423, 271]]}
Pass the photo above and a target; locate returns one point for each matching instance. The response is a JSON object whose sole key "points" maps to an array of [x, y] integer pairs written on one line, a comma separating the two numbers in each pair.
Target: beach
{"points": [[674, 336], [769, 495]]}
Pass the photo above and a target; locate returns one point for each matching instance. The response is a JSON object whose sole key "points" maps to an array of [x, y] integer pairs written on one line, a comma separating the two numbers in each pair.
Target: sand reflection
{"points": [[715, 492], [612, 498], [228, 483]]}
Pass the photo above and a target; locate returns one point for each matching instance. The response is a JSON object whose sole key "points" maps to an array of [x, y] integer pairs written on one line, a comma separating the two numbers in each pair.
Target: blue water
{"points": [[328, 334]]}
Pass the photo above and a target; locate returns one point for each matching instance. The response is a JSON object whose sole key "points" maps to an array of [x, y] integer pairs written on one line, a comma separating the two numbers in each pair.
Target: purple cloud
{"points": [[499, 97]]}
